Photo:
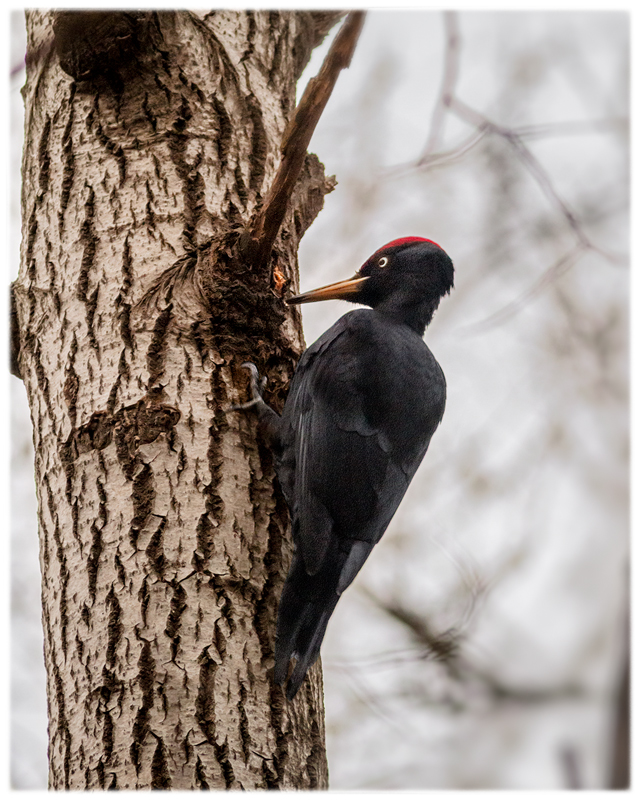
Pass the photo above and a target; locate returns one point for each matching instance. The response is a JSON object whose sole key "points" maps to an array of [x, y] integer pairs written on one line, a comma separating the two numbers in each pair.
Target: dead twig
{"points": [[551, 274], [442, 647], [569, 761], [620, 770], [266, 224], [449, 81]]}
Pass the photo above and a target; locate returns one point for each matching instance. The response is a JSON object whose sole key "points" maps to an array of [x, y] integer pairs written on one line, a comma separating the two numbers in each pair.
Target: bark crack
{"points": [[45, 158], [154, 550], [72, 382], [113, 148], [160, 777], [68, 160], [225, 132], [142, 498], [123, 303], [158, 346], [177, 607], [192, 183], [145, 679], [62, 561], [206, 715], [63, 724], [89, 241]]}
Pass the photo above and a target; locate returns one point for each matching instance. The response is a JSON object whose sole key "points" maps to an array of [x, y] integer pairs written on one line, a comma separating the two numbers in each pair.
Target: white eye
{"points": [[383, 261]]}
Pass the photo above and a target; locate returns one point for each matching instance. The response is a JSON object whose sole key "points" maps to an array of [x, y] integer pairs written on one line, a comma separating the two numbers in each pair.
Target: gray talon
{"points": [[257, 387]]}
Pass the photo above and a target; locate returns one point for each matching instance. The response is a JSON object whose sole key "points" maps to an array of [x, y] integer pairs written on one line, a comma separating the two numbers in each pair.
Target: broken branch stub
{"points": [[295, 141]]}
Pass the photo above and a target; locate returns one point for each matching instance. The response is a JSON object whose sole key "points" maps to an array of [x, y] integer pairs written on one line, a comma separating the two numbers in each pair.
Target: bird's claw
{"points": [[257, 387]]}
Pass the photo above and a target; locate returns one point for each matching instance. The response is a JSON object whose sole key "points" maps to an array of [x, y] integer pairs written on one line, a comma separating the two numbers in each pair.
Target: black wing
{"points": [[363, 405]]}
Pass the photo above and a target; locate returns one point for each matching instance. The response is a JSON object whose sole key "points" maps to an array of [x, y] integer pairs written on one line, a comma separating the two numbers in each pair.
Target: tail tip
{"points": [[297, 676], [292, 688]]}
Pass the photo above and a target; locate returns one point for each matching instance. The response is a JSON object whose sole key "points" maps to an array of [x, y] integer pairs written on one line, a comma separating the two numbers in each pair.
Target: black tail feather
{"points": [[301, 628], [308, 650]]}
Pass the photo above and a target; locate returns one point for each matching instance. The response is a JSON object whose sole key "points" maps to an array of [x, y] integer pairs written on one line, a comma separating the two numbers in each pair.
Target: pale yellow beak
{"points": [[345, 290]]}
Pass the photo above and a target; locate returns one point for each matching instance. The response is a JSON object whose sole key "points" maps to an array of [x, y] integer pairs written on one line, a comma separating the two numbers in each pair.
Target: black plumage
{"points": [[362, 407]]}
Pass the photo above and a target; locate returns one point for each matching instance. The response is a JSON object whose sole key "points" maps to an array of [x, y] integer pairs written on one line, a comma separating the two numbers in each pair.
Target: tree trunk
{"points": [[164, 538]]}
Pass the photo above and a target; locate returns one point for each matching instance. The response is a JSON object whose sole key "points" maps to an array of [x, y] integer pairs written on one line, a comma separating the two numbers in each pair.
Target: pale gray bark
{"points": [[163, 536]]}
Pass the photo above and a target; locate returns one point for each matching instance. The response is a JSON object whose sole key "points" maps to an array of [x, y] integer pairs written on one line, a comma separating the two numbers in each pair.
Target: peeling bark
{"points": [[164, 538]]}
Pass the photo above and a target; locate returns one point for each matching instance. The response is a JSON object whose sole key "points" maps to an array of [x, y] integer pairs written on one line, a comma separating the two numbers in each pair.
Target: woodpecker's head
{"points": [[400, 277]]}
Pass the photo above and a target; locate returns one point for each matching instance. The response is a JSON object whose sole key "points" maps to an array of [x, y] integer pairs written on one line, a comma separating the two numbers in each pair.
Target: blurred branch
{"points": [[562, 265], [569, 761], [620, 770], [432, 158], [445, 648], [367, 697], [569, 128], [535, 168], [449, 80]]}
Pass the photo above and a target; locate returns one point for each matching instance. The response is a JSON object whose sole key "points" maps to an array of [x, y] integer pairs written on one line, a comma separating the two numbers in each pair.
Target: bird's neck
{"points": [[404, 311]]}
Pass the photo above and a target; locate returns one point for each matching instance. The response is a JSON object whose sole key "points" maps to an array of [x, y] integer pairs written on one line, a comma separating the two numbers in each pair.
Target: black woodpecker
{"points": [[362, 407]]}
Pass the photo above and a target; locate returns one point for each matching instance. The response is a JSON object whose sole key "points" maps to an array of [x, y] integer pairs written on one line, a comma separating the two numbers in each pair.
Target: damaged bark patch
{"points": [[224, 303], [244, 315], [93, 45], [131, 426], [141, 423]]}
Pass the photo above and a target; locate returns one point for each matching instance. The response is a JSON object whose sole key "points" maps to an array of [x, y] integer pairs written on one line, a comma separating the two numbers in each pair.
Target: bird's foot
{"points": [[257, 387]]}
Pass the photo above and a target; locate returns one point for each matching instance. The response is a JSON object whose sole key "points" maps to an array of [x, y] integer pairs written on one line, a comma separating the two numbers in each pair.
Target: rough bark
{"points": [[163, 535]]}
